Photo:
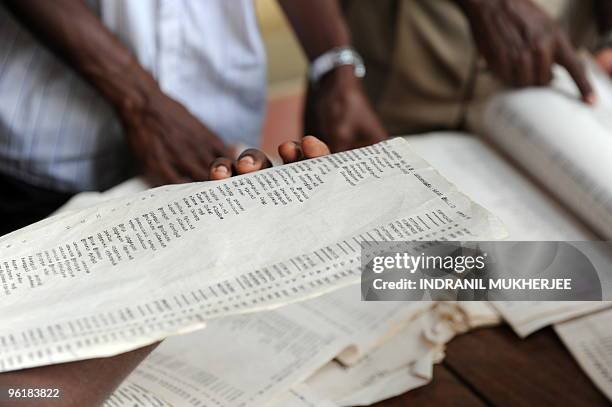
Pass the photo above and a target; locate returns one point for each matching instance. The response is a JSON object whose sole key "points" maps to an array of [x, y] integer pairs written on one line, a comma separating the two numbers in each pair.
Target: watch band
{"points": [[334, 58]]}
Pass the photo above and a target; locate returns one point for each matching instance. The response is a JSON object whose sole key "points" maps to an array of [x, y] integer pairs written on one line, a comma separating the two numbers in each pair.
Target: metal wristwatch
{"points": [[334, 58]]}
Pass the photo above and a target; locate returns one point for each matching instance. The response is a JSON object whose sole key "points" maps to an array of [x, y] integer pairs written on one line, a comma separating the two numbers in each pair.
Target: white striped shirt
{"points": [[56, 131]]}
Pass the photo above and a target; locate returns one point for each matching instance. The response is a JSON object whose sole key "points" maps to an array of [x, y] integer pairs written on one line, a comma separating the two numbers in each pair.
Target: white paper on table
{"points": [[369, 324], [406, 361], [403, 363], [480, 314], [378, 322], [589, 339], [301, 396], [383, 373], [252, 371], [375, 321], [341, 317], [527, 317], [244, 360], [164, 261], [133, 395], [528, 213], [562, 142], [251, 359]]}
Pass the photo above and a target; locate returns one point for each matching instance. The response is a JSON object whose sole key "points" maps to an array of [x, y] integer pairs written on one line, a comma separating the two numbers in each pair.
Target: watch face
{"points": [[360, 70], [346, 57], [350, 57]]}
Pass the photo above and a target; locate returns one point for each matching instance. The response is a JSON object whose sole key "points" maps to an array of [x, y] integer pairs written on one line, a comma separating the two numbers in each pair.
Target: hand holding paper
{"points": [[164, 261]]}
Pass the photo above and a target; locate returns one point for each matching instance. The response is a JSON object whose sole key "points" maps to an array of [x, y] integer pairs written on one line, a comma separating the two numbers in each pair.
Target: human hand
{"points": [[343, 116], [170, 144], [252, 160], [520, 43]]}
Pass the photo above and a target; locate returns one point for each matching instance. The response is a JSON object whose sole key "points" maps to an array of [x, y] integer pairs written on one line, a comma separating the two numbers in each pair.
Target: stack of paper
{"points": [[529, 215], [165, 261], [290, 351], [589, 339], [404, 361], [326, 370], [254, 359], [334, 350], [527, 317]]}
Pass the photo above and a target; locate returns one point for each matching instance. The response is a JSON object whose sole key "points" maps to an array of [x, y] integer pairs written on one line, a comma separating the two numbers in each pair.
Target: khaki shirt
{"points": [[424, 71]]}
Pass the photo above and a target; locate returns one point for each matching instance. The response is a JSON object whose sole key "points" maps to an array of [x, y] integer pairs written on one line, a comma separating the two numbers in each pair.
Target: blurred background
{"points": [[286, 77]]}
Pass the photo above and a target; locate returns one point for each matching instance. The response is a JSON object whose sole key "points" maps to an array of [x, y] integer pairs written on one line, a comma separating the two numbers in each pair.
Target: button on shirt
{"points": [[57, 132]]}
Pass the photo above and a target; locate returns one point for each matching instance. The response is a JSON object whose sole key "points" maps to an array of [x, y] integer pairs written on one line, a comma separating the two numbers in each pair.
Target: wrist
{"points": [[341, 76], [130, 89], [335, 58]]}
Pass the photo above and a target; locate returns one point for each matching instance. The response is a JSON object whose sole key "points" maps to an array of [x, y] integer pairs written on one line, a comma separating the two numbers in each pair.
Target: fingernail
{"points": [[591, 99], [248, 160], [221, 170]]}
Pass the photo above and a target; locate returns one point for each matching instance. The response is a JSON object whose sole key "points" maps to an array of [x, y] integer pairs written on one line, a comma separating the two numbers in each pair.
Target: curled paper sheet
{"points": [[588, 339], [141, 268]]}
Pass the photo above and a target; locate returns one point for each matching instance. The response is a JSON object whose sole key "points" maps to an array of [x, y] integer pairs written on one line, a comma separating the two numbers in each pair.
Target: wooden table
{"points": [[493, 367]]}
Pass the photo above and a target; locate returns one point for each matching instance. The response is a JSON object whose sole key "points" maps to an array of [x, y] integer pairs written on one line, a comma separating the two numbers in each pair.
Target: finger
{"points": [[531, 35], [159, 170], [290, 152], [526, 75], [497, 48], [167, 174], [369, 130], [153, 177], [209, 148], [510, 44], [252, 160], [372, 130], [504, 67], [221, 168], [183, 157], [204, 159], [196, 168], [217, 147], [543, 62], [341, 137], [567, 57], [520, 63], [313, 147]]}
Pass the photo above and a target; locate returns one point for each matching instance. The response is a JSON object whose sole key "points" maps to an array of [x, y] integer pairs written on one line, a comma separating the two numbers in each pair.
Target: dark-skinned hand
{"points": [[520, 43], [170, 144], [252, 160], [344, 117]]}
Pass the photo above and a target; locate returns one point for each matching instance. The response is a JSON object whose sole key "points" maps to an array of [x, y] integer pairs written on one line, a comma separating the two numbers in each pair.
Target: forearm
{"points": [[83, 383], [318, 24], [77, 35]]}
